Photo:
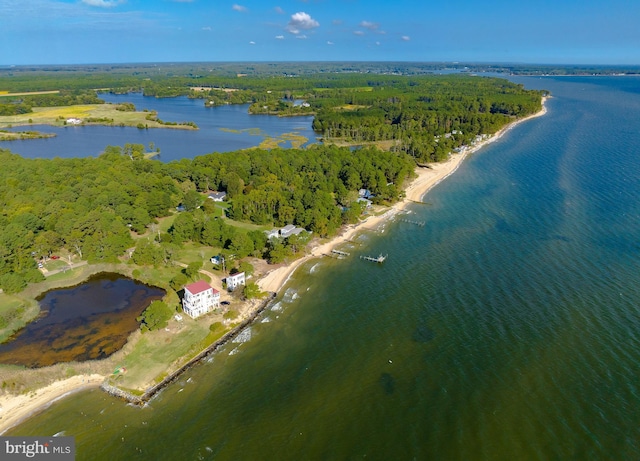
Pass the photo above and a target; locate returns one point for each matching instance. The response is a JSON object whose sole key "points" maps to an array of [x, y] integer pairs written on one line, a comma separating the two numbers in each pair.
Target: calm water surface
{"points": [[507, 328], [86, 322], [221, 129]]}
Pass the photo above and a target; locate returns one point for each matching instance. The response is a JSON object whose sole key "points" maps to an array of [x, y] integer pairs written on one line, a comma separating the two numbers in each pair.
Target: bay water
{"points": [[220, 129], [506, 328]]}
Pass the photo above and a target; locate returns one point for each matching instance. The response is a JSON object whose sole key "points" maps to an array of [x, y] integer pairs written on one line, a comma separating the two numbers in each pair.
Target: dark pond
{"points": [[221, 129], [85, 322]]}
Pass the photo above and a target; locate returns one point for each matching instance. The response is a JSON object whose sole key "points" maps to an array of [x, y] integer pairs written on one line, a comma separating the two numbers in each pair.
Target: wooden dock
{"points": [[340, 253], [417, 223], [380, 259]]}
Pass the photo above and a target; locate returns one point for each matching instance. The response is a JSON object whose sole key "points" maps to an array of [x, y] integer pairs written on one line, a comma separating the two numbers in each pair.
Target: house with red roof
{"points": [[199, 298]]}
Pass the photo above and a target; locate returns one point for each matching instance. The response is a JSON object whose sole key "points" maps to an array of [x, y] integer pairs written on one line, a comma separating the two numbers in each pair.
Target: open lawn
{"points": [[15, 313], [147, 363], [102, 114], [28, 93]]}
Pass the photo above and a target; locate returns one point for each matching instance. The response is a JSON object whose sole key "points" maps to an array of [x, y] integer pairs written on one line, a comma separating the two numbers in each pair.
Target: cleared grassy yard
{"points": [[57, 116]]}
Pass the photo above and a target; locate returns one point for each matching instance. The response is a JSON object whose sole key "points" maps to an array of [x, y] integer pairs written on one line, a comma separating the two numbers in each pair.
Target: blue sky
{"points": [[115, 31]]}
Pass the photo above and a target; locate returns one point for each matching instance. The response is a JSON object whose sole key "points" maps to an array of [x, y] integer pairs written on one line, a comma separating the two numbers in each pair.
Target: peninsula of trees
{"points": [[95, 207]]}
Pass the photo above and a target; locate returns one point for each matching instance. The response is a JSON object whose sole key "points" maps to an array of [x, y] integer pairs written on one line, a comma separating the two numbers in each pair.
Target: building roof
{"points": [[217, 195], [198, 287]]}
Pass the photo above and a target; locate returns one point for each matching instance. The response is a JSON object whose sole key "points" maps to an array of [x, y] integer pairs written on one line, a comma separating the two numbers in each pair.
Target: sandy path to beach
{"points": [[16, 408]]}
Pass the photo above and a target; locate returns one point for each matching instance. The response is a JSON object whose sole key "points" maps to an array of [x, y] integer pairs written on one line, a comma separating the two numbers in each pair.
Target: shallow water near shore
{"points": [[508, 327]]}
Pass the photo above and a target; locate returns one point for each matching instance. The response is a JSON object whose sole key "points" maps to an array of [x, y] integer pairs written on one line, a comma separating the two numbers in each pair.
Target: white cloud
{"points": [[406, 38], [103, 3], [280, 37], [378, 43], [301, 21], [358, 32], [239, 8], [330, 43], [279, 10], [252, 42], [206, 28], [302, 37], [369, 25]]}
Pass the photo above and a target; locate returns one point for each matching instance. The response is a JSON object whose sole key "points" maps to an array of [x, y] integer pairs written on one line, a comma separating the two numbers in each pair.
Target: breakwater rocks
{"points": [[152, 391]]}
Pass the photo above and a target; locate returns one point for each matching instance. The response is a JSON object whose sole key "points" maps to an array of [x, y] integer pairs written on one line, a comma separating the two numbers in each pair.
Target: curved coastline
{"points": [[427, 178], [14, 409]]}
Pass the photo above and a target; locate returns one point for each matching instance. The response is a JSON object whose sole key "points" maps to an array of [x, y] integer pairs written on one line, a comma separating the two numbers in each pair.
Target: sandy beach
{"points": [[426, 178], [16, 408]]}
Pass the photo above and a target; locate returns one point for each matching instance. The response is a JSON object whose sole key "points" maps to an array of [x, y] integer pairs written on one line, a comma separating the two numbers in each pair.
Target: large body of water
{"points": [[507, 328], [221, 129]]}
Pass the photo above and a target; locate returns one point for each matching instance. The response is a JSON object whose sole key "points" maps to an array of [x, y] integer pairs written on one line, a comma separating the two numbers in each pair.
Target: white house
{"points": [[235, 280], [217, 196], [199, 298], [74, 121], [287, 230], [284, 232]]}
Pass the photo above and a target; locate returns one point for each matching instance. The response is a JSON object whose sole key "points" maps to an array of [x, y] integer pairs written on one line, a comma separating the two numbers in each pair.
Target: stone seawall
{"points": [[152, 391]]}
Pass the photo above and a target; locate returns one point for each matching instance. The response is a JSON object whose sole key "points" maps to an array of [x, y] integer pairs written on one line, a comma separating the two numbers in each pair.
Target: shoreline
{"points": [[427, 178], [15, 409]]}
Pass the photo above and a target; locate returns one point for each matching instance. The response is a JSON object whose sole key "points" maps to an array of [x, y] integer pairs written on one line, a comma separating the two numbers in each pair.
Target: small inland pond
{"points": [[89, 321]]}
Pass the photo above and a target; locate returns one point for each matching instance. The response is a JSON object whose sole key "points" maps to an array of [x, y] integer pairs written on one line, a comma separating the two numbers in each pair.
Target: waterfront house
{"points": [[367, 203], [284, 232], [273, 233], [287, 230], [365, 193], [199, 298], [217, 196], [235, 280]]}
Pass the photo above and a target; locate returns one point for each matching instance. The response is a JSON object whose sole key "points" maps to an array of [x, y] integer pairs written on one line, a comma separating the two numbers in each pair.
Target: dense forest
{"points": [[92, 206], [14, 105], [426, 116]]}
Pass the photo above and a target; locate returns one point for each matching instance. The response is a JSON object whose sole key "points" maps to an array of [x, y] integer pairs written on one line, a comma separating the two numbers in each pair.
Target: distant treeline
{"points": [[15, 105]]}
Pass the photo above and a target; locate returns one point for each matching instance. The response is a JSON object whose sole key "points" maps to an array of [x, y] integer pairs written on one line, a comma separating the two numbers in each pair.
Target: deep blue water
{"points": [[506, 328], [174, 144]]}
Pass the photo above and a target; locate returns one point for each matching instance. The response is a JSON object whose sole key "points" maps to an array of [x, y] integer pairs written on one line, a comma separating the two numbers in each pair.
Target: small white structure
{"points": [[199, 298], [287, 230], [217, 196], [74, 121], [284, 232], [273, 233], [235, 280]]}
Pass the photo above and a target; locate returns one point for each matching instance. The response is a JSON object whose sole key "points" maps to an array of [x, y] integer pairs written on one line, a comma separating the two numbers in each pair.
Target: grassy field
{"points": [[15, 313], [149, 357], [154, 354], [28, 93], [107, 113], [19, 135]]}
